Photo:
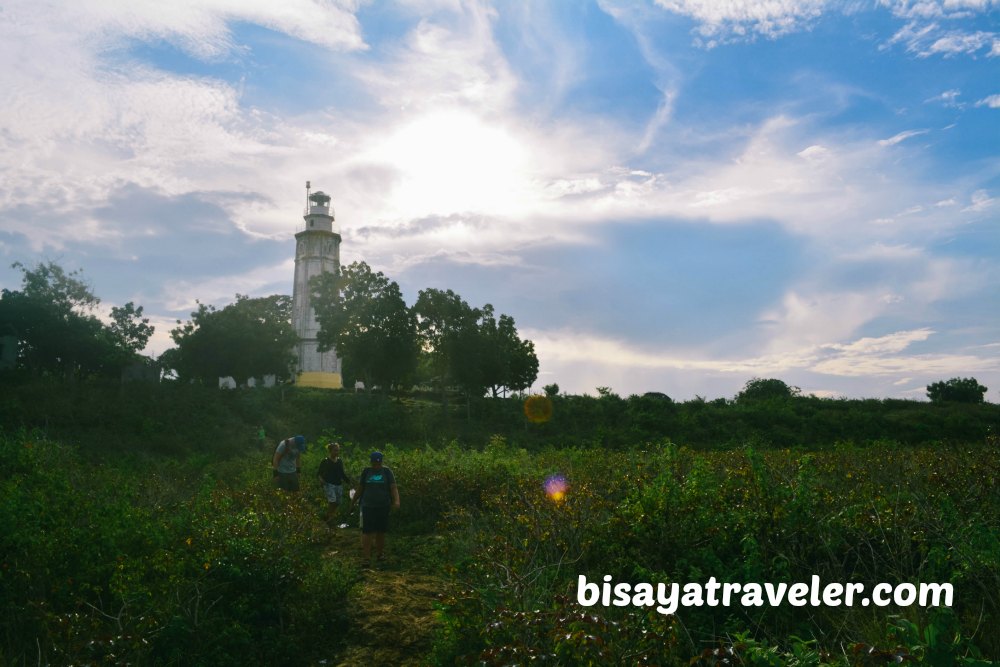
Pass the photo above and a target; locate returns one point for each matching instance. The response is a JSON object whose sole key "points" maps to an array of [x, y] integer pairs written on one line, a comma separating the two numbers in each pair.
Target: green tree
{"points": [[471, 347], [52, 317], [363, 316], [129, 329], [956, 390], [764, 389], [446, 324], [510, 363], [252, 337]]}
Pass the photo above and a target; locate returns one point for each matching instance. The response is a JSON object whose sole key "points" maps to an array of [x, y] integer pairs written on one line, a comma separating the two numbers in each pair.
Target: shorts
{"points": [[334, 492], [374, 520], [289, 481]]}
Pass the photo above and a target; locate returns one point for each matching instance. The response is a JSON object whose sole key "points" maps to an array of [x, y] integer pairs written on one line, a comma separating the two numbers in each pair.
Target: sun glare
{"points": [[454, 162]]}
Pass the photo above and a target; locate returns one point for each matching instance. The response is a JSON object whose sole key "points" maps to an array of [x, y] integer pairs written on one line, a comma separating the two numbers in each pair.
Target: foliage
{"points": [[52, 318], [845, 515], [129, 329], [957, 390], [142, 557], [471, 347], [445, 321], [766, 389], [507, 362], [128, 563], [251, 337], [362, 314]]}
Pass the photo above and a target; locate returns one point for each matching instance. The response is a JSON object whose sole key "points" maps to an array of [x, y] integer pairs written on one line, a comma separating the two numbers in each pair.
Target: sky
{"points": [[668, 195]]}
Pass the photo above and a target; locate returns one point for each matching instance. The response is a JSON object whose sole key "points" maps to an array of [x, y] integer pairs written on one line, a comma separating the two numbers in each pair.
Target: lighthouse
{"points": [[317, 250]]}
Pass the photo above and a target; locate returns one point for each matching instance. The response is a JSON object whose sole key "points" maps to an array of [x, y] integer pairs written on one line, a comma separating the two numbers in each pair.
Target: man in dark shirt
{"points": [[377, 493], [332, 476]]}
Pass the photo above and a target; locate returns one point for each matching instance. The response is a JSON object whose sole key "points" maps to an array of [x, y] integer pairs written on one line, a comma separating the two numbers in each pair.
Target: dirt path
{"points": [[391, 612]]}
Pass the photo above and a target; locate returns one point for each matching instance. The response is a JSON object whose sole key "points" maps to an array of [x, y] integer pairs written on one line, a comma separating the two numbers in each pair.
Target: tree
{"points": [[512, 362], [956, 390], [471, 347], [445, 323], [129, 329], [252, 337], [52, 317], [760, 389], [363, 316]]}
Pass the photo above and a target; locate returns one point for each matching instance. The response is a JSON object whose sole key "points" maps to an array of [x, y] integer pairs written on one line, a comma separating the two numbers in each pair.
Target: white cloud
{"points": [[891, 343], [948, 98], [452, 61], [870, 356], [813, 153], [932, 39], [957, 42], [993, 102], [181, 295], [902, 136], [981, 200], [936, 9], [202, 26], [736, 18]]}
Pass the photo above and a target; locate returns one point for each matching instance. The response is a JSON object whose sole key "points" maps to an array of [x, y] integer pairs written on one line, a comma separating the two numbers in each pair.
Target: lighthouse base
{"points": [[319, 380]]}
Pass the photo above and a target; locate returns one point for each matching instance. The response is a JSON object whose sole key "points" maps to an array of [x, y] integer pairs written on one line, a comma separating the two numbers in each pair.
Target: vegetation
{"points": [[193, 557], [363, 315], [52, 318], [246, 339], [470, 348], [957, 390]]}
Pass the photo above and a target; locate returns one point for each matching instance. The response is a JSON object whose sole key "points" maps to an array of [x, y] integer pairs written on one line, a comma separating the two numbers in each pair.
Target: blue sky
{"points": [[674, 196]]}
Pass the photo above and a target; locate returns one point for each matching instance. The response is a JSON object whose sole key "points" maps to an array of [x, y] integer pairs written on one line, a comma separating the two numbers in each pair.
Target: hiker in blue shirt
{"points": [[377, 494]]}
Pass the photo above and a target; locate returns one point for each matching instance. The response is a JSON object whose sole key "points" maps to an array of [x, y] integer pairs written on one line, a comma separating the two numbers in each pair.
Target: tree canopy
{"points": [[251, 337], [53, 319], [363, 316], [956, 390], [472, 348], [764, 389]]}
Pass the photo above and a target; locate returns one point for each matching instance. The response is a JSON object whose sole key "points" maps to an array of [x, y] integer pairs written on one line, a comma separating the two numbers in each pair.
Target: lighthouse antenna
{"points": [[308, 184]]}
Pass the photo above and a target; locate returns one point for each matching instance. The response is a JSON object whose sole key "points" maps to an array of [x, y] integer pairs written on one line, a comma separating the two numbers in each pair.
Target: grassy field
{"points": [[138, 526], [151, 559]]}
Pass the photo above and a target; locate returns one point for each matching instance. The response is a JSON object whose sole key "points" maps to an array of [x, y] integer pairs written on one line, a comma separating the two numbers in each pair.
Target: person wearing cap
{"points": [[377, 494], [285, 464], [332, 476]]}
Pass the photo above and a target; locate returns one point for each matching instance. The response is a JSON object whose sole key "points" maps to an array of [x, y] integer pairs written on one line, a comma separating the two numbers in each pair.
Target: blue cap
{"points": [[300, 442], [376, 456]]}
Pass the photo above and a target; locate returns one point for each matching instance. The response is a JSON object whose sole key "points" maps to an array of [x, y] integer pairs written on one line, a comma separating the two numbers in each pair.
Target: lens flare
{"points": [[556, 487], [538, 408]]}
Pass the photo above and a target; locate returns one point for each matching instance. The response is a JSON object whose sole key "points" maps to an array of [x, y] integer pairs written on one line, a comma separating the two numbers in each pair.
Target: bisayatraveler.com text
{"points": [[668, 598]]}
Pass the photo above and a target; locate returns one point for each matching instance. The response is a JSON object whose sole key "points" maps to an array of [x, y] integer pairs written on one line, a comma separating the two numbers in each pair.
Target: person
{"points": [[285, 464], [332, 476], [377, 493]]}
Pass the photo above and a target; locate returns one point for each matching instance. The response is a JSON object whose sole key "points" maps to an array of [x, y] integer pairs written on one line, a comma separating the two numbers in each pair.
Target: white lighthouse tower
{"points": [[317, 250]]}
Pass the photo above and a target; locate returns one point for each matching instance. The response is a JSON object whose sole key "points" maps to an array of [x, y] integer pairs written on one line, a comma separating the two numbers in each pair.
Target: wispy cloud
{"points": [[878, 356], [993, 102], [734, 19], [902, 136], [981, 200], [948, 98]]}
